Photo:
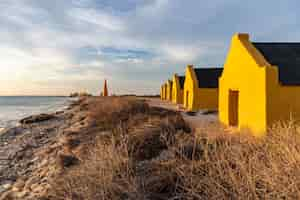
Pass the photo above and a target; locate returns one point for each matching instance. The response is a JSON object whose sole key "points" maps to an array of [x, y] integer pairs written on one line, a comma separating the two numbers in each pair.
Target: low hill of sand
{"points": [[127, 148]]}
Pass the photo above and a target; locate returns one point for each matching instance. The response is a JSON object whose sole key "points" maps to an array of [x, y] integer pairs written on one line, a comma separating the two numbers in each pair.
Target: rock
{"points": [[34, 159], [30, 182], [43, 163], [70, 132], [5, 186], [209, 112], [72, 143], [191, 113], [2, 130], [36, 188], [67, 160], [51, 129], [21, 195], [37, 118], [6, 196], [59, 112], [13, 131], [43, 174], [19, 185]]}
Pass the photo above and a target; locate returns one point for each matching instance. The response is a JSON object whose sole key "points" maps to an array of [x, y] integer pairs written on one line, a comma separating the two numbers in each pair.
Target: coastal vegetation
{"points": [[121, 148], [152, 154]]}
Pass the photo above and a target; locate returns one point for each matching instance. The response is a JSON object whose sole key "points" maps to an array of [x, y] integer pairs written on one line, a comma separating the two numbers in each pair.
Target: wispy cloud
{"points": [[91, 17], [126, 54], [55, 47]]}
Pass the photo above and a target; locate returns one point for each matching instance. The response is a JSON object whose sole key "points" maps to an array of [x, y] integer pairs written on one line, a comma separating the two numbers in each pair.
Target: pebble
{"points": [[31, 181], [5, 195], [5, 186], [22, 194], [19, 185]]}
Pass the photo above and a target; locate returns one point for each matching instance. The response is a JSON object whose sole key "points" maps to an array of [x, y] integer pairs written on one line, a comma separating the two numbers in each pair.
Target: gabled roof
{"points": [[286, 56], [181, 81], [208, 77]]}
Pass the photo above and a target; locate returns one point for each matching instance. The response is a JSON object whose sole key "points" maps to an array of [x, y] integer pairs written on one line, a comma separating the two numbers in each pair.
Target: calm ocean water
{"points": [[12, 109]]}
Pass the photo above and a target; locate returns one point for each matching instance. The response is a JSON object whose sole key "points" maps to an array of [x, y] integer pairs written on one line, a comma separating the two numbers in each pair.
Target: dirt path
{"points": [[197, 121]]}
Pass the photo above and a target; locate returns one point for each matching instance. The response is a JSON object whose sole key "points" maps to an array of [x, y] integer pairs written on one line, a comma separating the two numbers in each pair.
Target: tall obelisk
{"points": [[105, 90]]}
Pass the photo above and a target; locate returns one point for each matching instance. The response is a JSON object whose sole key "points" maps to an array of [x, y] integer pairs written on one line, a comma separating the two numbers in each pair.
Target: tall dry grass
{"points": [[243, 167], [167, 161], [105, 174]]}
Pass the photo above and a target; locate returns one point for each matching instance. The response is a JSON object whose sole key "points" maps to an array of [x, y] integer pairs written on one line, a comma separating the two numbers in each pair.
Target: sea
{"points": [[14, 108]]}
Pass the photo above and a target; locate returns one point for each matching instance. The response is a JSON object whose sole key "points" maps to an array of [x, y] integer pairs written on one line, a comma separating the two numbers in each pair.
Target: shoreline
{"points": [[50, 109], [67, 105], [22, 146]]}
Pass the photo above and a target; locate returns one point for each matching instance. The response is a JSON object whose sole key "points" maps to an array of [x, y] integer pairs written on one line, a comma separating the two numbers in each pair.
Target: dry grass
{"points": [[241, 167], [111, 111], [132, 160], [105, 174]]}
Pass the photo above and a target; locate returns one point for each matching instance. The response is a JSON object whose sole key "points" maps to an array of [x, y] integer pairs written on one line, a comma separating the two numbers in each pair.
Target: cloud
{"points": [[56, 46], [92, 17], [124, 54], [181, 53]]}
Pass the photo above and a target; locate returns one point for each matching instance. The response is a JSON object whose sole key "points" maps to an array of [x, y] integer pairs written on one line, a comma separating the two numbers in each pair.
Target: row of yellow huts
{"points": [[258, 85]]}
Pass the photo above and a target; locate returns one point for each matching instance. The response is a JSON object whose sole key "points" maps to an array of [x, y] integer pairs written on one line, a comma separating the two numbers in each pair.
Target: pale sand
{"points": [[198, 121]]}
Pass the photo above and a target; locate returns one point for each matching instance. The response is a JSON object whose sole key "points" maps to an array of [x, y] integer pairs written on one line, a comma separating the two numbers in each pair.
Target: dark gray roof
{"points": [[181, 81], [208, 77], [286, 56]]}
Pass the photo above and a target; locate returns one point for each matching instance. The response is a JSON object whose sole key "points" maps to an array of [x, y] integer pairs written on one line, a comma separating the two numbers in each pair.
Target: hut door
{"points": [[233, 108], [187, 99]]}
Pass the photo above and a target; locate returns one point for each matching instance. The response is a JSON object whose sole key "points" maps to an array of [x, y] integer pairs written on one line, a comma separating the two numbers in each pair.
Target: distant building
{"points": [[201, 88], [260, 84], [169, 90], [165, 91], [162, 92], [177, 90]]}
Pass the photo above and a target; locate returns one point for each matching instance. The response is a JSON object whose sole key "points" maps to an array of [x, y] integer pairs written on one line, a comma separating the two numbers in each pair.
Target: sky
{"points": [[60, 46]]}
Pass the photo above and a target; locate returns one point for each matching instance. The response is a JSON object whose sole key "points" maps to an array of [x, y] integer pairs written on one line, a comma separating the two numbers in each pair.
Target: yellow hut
{"points": [[201, 88], [164, 91], [177, 90], [260, 84], [169, 90], [161, 92]]}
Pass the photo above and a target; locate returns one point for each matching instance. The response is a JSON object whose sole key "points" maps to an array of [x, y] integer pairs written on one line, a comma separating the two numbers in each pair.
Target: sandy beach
{"points": [[24, 149]]}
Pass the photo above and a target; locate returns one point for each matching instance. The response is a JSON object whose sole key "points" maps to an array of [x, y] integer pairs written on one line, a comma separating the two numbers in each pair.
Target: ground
{"points": [[130, 148], [198, 121], [195, 120]]}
